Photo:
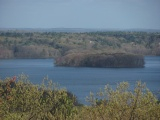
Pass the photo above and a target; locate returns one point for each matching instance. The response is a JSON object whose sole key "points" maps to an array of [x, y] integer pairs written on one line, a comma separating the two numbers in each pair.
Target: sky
{"points": [[105, 14]]}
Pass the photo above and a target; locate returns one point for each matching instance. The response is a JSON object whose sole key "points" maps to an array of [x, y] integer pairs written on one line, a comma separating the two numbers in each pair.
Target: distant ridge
{"points": [[76, 30]]}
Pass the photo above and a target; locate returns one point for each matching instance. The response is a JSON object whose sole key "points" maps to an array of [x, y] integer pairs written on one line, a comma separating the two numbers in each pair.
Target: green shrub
{"points": [[22, 100], [28, 101], [123, 104]]}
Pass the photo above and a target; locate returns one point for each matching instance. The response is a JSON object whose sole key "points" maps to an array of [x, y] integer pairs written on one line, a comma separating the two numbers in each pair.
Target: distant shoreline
{"points": [[79, 30], [21, 44]]}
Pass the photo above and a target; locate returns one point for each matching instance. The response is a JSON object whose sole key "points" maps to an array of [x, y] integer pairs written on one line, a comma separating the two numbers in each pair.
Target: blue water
{"points": [[81, 81]]}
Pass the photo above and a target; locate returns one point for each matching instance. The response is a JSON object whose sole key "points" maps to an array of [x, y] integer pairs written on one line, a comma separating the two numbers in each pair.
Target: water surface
{"points": [[81, 80]]}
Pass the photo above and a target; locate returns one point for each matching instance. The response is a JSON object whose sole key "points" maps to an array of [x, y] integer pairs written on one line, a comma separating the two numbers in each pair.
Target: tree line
{"points": [[19, 44]]}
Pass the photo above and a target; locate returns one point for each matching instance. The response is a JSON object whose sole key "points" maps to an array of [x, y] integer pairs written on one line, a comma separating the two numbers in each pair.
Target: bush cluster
{"points": [[25, 101], [123, 104], [21, 100]]}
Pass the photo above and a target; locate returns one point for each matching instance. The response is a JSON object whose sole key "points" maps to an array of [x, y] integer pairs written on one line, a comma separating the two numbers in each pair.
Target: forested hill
{"points": [[20, 44]]}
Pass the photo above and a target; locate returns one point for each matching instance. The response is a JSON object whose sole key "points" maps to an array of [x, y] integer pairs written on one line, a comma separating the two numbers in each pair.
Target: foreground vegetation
{"points": [[21, 100]]}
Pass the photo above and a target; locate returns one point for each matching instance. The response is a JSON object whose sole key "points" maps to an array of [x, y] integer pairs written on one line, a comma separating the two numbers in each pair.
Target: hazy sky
{"points": [[121, 14]]}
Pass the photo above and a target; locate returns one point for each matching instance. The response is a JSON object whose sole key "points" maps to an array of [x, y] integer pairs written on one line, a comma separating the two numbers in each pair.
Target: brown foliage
{"points": [[101, 60]]}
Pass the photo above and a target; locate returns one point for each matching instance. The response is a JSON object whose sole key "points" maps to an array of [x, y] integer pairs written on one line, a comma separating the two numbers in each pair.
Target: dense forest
{"points": [[116, 60], [20, 44]]}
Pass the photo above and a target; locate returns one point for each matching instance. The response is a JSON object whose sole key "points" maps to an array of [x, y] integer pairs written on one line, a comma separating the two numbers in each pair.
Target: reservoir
{"points": [[82, 80]]}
